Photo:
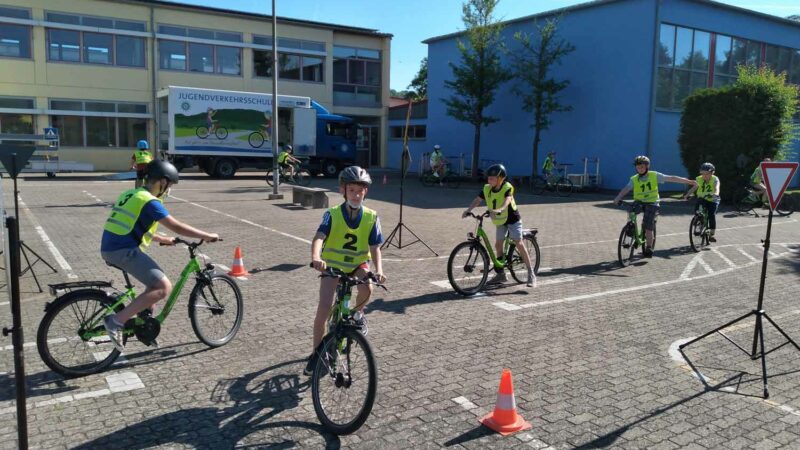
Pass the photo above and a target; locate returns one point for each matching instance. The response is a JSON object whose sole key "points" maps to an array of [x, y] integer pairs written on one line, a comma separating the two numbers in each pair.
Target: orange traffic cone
{"points": [[385, 179], [238, 265], [504, 419]]}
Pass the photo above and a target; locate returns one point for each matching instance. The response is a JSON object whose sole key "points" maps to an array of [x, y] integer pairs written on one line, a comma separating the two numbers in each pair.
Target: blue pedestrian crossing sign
{"points": [[51, 133]]}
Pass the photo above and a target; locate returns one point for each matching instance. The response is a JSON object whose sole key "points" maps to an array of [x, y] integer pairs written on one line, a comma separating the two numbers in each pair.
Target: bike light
{"points": [[470, 235]]}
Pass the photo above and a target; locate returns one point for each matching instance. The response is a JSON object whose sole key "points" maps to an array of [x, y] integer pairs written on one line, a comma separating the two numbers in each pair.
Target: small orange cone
{"points": [[238, 265], [385, 179], [504, 419]]}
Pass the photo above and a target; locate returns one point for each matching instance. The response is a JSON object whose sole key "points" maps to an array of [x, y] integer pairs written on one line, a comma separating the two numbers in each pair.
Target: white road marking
{"points": [[507, 306], [48, 243], [748, 255], [704, 264], [723, 257], [465, 403], [689, 268]]}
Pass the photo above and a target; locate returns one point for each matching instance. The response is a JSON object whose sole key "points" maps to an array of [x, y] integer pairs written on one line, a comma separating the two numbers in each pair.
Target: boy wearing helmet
{"points": [[139, 161], [499, 197], [129, 230], [645, 192], [708, 195], [348, 235], [758, 184], [286, 160], [437, 161], [549, 164]]}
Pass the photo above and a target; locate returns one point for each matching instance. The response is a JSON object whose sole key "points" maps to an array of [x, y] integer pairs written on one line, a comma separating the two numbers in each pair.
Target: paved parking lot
{"points": [[593, 349]]}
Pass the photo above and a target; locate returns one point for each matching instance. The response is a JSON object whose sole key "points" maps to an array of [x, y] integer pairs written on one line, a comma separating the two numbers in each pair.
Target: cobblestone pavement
{"points": [[593, 349]]}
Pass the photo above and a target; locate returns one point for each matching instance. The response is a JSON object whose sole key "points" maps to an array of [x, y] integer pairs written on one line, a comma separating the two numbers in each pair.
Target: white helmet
{"points": [[436, 147]]}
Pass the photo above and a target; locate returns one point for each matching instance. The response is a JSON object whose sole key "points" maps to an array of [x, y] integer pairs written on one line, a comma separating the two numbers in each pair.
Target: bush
{"points": [[735, 127]]}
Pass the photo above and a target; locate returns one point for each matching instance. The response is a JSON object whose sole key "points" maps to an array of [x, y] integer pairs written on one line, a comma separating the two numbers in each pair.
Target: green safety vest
{"points": [[495, 199], [706, 189], [645, 191], [282, 157], [436, 157], [755, 178], [347, 248], [143, 157], [548, 164], [126, 212]]}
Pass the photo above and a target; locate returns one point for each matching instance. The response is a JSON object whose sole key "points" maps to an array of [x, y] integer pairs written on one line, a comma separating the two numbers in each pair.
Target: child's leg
{"points": [[711, 207], [364, 290], [327, 290]]}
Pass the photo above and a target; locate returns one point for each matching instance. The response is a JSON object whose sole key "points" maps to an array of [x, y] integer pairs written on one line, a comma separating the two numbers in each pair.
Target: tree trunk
{"points": [[476, 153], [536, 139]]}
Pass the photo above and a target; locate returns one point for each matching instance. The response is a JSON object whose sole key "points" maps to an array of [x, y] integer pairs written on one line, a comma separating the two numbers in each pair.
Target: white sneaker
{"points": [[436, 174], [114, 332], [531, 280]]}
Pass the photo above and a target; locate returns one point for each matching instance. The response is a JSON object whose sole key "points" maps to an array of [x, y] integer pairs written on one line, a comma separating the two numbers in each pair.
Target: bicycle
{"points": [[345, 363], [555, 181], [747, 200], [449, 179], [73, 322], [301, 176], [632, 237], [256, 138], [202, 132], [479, 250], [699, 231]]}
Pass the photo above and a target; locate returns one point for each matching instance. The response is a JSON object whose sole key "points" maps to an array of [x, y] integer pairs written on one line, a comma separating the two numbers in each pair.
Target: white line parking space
{"points": [[48, 243]]}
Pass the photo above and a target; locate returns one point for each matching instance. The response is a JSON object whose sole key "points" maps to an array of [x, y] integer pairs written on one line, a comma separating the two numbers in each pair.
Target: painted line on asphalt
{"points": [[723, 257], [47, 242], [445, 284], [465, 403], [704, 264], [748, 255], [248, 222]]}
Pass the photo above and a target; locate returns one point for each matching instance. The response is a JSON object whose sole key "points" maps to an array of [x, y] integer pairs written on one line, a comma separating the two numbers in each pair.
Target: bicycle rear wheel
{"points": [[59, 340], [428, 179], [564, 187], [698, 233], [783, 208], [744, 202], [216, 310], [516, 265], [201, 132], [270, 178], [344, 381], [626, 245], [468, 267], [538, 185]]}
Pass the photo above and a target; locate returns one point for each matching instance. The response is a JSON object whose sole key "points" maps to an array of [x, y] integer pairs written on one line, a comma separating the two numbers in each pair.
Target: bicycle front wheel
{"points": [[59, 337], [428, 180], [468, 268], [516, 264], [216, 310], [539, 185], [698, 233], [344, 381], [256, 139], [221, 132], [783, 208], [564, 187], [744, 203], [626, 245]]}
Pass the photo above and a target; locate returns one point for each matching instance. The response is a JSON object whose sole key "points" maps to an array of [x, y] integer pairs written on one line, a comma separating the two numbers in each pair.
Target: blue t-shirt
{"points": [[375, 236], [153, 211]]}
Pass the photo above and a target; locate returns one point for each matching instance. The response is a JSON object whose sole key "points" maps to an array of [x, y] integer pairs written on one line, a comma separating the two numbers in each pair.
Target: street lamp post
{"points": [[275, 175]]}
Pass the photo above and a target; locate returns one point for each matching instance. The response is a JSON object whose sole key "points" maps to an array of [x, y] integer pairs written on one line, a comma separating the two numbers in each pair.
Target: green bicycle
{"points": [[345, 377], [468, 266], [73, 342], [699, 231], [632, 237]]}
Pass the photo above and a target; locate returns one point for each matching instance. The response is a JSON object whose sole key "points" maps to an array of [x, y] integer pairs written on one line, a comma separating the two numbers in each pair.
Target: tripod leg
{"points": [[716, 330], [38, 257], [30, 267], [389, 239], [782, 332], [760, 332], [420, 240]]}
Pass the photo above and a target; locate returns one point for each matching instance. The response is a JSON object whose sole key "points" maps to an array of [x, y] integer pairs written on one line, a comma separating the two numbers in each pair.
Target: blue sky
{"points": [[412, 21]]}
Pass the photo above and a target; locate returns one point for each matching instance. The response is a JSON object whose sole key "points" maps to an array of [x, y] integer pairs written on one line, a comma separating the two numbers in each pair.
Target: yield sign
{"points": [[777, 176]]}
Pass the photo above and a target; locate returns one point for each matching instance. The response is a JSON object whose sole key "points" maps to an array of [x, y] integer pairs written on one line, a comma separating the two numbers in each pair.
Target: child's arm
{"points": [[716, 190], [474, 203], [504, 205], [674, 179], [316, 251], [163, 240], [375, 251], [622, 193], [690, 192]]}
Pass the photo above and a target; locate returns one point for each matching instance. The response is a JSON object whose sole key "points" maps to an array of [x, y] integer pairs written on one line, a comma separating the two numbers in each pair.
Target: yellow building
{"points": [[91, 68]]}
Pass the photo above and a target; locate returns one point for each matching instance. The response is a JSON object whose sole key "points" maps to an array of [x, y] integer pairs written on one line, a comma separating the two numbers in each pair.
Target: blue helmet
{"points": [[143, 145]]}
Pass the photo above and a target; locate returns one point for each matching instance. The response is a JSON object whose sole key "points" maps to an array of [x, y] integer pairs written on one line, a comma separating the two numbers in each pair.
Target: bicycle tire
{"points": [[255, 139], [93, 361], [428, 180], [564, 187], [302, 178], [742, 204], [626, 245], [270, 178], [782, 208], [200, 300], [476, 251], [337, 347], [201, 132], [516, 264], [698, 238], [538, 185], [221, 133]]}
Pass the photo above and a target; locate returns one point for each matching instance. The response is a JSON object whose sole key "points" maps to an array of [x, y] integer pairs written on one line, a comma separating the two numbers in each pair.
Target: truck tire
{"points": [[225, 168], [330, 168]]}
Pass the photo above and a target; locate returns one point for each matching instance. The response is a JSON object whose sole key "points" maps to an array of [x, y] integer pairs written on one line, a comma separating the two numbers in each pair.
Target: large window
{"points": [[83, 123], [196, 56], [414, 132], [356, 76], [92, 47], [172, 55], [15, 40], [291, 66]]}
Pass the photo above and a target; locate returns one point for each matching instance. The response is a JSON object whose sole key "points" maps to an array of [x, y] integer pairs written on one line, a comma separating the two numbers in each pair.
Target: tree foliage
{"points": [[478, 76], [419, 84], [735, 127]]}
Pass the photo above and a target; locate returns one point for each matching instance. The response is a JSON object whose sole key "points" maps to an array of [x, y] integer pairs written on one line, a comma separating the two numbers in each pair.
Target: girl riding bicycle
{"points": [[708, 195]]}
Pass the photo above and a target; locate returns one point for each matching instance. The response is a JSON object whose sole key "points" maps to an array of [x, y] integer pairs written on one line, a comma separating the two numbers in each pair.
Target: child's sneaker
{"points": [[114, 331], [531, 280], [310, 365], [500, 277]]}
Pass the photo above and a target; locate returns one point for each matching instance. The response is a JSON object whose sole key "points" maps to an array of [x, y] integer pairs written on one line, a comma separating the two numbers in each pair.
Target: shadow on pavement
{"points": [[475, 433]]}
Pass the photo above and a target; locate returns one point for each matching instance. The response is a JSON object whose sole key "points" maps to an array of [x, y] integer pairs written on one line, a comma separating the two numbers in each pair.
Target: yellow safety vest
{"points": [[548, 164], [126, 212], [143, 157], [495, 199], [645, 191], [706, 189], [347, 248], [755, 178], [282, 157], [436, 157]]}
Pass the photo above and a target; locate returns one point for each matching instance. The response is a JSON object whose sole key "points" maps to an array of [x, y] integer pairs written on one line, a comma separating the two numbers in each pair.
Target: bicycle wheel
{"points": [[539, 185], [468, 268], [626, 245], [270, 179], [564, 187], [58, 337], [302, 178], [256, 139], [744, 203], [517, 266], [344, 381], [216, 310], [783, 208], [698, 234], [452, 181], [201, 132], [221, 132], [428, 179]]}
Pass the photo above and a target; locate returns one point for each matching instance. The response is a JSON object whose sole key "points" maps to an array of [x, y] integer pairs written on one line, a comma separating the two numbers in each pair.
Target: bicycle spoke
{"points": [[343, 381]]}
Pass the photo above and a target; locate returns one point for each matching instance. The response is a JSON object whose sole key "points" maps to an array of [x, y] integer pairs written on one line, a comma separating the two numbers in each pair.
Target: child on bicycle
{"points": [[129, 230], [286, 160], [437, 162], [499, 197], [758, 184], [549, 165], [645, 192], [211, 124], [708, 195], [348, 235]]}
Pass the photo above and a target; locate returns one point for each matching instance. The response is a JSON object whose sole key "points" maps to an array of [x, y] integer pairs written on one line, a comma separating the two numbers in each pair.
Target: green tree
{"points": [[531, 65], [419, 85], [735, 127], [480, 74]]}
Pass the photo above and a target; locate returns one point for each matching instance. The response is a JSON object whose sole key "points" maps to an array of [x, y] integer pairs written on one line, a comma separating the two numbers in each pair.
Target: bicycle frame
{"points": [[638, 234], [481, 236]]}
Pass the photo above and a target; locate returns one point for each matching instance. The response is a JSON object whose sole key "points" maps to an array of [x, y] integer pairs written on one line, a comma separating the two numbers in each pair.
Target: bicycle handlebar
{"points": [[485, 214], [332, 272], [192, 245]]}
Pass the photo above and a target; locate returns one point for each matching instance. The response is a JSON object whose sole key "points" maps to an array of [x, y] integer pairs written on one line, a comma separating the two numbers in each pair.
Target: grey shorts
{"points": [[650, 213], [514, 231], [137, 263]]}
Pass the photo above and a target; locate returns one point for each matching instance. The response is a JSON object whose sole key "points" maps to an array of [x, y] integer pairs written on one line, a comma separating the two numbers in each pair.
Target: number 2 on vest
{"points": [[351, 243]]}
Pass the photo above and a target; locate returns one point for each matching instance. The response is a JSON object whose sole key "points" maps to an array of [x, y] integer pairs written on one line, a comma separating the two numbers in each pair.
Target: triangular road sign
{"points": [[14, 157], [777, 176]]}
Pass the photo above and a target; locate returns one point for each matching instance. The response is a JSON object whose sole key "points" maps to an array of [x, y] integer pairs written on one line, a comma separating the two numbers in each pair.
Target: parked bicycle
{"points": [[301, 177], [557, 181], [220, 132], [747, 201], [72, 340], [632, 237], [450, 179], [699, 230], [468, 266], [345, 377]]}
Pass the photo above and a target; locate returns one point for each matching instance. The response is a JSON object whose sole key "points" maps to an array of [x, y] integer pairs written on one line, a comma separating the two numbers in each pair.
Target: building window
{"points": [[15, 40], [16, 123], [262, 63], [172, 55], [101, 131], [200, 33], [131, 131], [64, 45], [97, 48], [291, 66], [229, 60], [129, 51], [70, 130], [94, 48], [104, 130], [288, 66], [313, 68], [356, 76], [683, 64], [203, 58], [414, 132]]}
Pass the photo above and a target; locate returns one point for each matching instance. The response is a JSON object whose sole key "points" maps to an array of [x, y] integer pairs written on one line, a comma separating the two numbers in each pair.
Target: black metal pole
{"points": [[402, 182], [12, 223], [759, 308]]}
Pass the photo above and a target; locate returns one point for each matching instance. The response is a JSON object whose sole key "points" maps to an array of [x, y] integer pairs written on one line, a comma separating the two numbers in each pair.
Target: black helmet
{"points": [[707, 167], [289, 148], [354, 174], [158, 169], [496, 170], [641, 159]]}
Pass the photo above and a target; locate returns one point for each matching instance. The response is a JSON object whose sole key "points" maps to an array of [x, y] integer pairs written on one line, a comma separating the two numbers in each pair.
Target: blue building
{"points": [[625, 90]]}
